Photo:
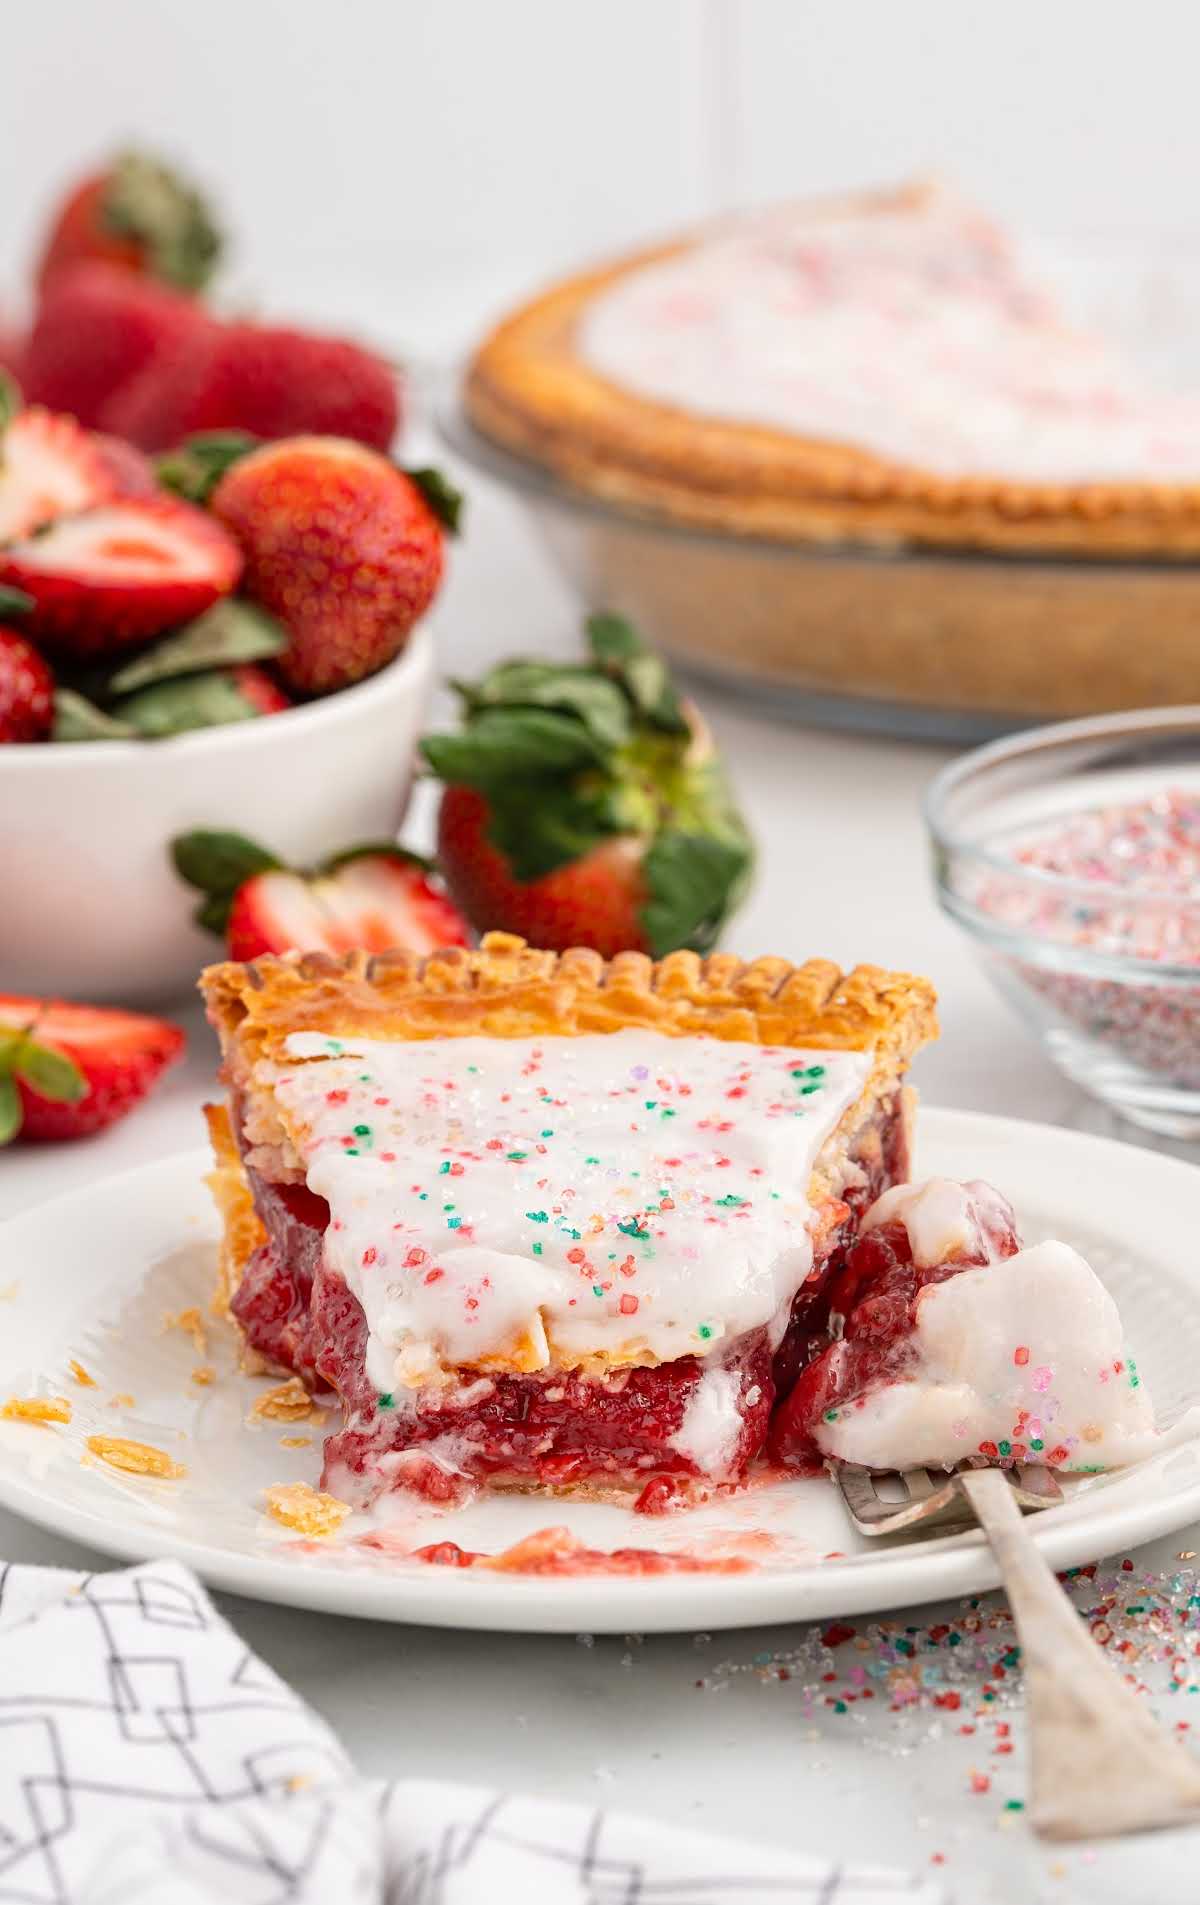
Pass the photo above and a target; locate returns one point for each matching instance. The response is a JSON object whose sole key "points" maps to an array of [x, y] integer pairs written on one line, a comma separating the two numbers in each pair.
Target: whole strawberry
{"points": [[375, 897], [341, 546], [585, 805], [268, 380], [69, 1070], [138, 215], [97, 328], [26, 690]]}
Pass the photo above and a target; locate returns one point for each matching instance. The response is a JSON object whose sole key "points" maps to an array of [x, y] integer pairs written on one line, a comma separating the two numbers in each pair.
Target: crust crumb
{"points": [[288, 1402], [81, 1375], [191, 1323], [295, 1441], [36, 1409], [10, 1293], [122, 1400], [203, 1374], [135, 1458], [297, 1505]]}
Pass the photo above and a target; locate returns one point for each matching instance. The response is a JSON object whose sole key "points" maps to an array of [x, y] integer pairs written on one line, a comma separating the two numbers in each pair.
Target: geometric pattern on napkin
{"points": [[147, 1757]]}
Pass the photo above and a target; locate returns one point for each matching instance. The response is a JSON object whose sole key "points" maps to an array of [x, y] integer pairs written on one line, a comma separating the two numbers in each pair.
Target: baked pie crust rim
{"points": [[507, 989], [528, 390]]}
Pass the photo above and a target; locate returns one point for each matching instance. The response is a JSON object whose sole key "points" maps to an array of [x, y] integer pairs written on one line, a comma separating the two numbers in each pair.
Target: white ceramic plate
{"points": [[92, 1276]]}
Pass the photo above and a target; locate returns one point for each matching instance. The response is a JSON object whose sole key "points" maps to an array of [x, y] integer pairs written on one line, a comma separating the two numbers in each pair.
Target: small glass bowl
{"points": [[1107, 977]]}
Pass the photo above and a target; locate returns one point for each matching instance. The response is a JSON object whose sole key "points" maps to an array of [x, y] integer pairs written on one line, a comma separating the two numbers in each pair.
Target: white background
{"points": [[405, 164]]}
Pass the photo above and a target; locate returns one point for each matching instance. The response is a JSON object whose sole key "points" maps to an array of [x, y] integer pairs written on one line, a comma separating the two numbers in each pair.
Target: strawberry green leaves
{"points": [[41, 1068], [76, 718], [187, 679], [196, 466], [443, 498], [500, 743], [695, 882], [10, 1108], [209, 700], [230, 631], [14, 602], [11, 400], [570, 756], [619, 650], [148, 203]]}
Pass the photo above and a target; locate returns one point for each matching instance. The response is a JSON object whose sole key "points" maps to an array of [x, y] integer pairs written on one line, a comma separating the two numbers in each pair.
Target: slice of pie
{"points": [[875, 369], [542, 1221], [942, 1340]]}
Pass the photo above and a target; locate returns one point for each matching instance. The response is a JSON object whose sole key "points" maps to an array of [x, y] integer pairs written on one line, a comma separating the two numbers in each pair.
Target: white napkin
{"points": [[148, 1758]]}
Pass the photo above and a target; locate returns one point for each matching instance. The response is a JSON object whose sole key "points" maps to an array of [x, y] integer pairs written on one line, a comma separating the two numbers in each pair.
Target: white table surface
{"points": [[843, 873]]}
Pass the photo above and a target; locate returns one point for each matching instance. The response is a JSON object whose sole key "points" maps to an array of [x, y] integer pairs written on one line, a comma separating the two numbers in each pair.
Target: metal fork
{"points": [[1100, 1766]]}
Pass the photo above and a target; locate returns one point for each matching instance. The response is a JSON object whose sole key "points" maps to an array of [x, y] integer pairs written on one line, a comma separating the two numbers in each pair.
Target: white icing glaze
{"points": [[613, 1192], [909, 332], [1026, 1354], [712, 1422], [943, 1217]]}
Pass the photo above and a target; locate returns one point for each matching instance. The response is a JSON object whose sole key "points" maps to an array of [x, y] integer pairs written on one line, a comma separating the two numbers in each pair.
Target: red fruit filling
{"points": [[551, 1431], [547, 1430], [883, 1160], [869, 1307], [273, 1300]]}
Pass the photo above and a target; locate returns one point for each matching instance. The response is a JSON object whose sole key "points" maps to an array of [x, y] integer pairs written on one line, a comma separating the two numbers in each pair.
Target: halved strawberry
{"points": [[121, 573], [375, 897], [49, 467], [69, 1070]]}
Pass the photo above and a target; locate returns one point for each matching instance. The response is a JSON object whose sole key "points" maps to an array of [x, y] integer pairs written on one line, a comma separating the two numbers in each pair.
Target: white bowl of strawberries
{"points": [[253, 664]]}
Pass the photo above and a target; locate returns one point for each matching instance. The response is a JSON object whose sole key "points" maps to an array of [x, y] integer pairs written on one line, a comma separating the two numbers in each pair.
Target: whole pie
{"points": [[877, 369], [546, 1222]]}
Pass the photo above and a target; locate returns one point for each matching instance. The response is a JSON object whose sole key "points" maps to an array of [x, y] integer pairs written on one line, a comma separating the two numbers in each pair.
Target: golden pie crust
{"points": [[506, 989], [528, 390]]}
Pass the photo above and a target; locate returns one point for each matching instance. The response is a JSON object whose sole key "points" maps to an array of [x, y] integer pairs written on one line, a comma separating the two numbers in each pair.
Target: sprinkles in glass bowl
{"points": [[1071, 856]]}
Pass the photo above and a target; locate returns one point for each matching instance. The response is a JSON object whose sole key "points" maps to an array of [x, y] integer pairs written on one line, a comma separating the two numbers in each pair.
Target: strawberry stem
{"points": [[149, 203]]}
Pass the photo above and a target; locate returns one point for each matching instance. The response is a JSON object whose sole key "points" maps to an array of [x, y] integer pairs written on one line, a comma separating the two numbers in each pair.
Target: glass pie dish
{"points": [[1066, 855], [941, 646]]}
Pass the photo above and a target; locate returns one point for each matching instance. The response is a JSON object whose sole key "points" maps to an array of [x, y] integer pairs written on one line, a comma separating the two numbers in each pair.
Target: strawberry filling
{"points": [[646, 1428], [273, 1300], [860, 1329]]}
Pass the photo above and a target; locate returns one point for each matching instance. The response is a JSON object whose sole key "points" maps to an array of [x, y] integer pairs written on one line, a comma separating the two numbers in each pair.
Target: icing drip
{"points": [[945, 1219], [1023, 1358]]}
